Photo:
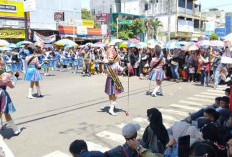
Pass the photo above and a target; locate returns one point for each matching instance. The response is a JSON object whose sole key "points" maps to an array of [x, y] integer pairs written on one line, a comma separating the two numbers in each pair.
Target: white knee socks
{"points": [[30, 93], [156, 90], [38, 91], [15, 128], [111, 110]]}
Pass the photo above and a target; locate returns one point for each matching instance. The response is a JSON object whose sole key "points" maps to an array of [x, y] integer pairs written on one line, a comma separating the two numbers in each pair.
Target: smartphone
{"points": [[184, 146]]}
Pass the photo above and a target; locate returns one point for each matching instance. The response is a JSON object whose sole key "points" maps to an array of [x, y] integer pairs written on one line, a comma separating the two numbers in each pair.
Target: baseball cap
{"points": [[227, 90], [130, 130]]}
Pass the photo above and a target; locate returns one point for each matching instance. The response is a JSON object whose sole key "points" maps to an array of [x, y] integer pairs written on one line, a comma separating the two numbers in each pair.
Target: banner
{"points": [[88, 23], [12, 33], [82, 30], [44, 39], [11, 9]]}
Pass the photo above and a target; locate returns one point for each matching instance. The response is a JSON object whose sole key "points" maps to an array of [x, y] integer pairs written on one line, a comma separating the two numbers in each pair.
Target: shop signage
{"points": [[8, 8], [59, 16], [12, 33], [11, 9], [88, 23]]}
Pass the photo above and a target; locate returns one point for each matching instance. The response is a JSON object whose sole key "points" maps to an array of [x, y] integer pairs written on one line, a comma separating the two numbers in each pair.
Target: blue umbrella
{"points": [[12, 45]]}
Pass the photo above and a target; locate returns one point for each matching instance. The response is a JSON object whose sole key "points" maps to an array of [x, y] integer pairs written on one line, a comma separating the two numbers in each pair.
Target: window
{"points": [[182, 3]]}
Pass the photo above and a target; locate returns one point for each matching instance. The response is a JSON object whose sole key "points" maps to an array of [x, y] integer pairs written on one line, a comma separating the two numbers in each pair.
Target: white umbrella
{"points": [[26, 43], [115, 41], [3, 43], [5, 49]]}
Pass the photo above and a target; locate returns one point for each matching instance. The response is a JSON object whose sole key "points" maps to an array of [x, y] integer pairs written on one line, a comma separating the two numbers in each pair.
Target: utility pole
{"points": [[169, 19], [26, 25], [117, 27]]}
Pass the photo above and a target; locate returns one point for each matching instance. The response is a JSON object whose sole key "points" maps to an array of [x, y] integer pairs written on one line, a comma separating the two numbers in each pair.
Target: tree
{"points": [[213, 36], [152, 30], [86, 15], [129, 30]]}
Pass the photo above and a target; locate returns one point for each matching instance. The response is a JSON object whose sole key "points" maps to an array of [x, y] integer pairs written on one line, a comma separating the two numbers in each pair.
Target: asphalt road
{"points": [[71, 106]]}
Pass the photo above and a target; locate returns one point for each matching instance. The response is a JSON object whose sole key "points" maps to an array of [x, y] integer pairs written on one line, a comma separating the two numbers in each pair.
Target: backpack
{"points": [[153, 144]]}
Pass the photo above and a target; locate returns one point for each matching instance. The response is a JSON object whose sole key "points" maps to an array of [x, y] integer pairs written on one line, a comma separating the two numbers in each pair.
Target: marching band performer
{"points": [[7, 60], [157, 73], [7, 107], [74, 60], [32, 73], [22, 56], [113, 85]]}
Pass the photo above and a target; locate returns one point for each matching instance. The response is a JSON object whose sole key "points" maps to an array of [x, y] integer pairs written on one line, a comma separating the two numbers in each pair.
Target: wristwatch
{"points": [[138, 147]]}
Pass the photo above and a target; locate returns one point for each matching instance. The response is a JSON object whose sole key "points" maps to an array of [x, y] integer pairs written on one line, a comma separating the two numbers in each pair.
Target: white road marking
{"points": [[190, 103], [215, 94], [112, 136], [216, 91], [57, 154], [185, 107], [174, 112], [170, 118], [5, 148], [93, 146], [167, 125], [203, 100], [205, 96], [141, 120]]}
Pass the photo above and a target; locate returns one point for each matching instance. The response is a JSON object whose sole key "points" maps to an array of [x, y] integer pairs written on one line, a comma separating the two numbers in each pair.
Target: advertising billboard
{"points": [[228, 24], [11, 9], [221, 32]]}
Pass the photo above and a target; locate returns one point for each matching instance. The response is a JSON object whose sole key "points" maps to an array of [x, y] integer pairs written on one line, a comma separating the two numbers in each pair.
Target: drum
{"points": [[16, 67], [45, 64], [66, 61], [51, 63], [7, 67]]}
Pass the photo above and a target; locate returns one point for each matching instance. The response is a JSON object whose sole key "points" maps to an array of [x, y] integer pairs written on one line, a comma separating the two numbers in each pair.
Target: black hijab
{"points": [[156, 125]]}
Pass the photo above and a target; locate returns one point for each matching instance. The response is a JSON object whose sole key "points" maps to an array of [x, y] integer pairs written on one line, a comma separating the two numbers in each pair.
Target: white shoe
{"points": [[111, 110], [30, 94]]}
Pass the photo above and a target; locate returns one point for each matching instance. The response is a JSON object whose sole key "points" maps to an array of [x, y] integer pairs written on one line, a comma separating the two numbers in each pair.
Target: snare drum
{"points": [[16, 67], [66, 61], [51, 63]]}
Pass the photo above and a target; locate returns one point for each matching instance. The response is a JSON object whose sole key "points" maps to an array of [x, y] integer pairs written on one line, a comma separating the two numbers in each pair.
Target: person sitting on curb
{"points": [[78, 148], [129, 132], [135, 144]]}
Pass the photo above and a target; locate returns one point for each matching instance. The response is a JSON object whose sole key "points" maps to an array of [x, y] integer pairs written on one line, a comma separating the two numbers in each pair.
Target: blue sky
{"points": [[206, 4]]}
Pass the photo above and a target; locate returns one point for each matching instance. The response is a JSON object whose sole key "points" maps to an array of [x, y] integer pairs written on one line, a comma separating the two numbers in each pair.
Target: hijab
{"points": [[156, 125]]}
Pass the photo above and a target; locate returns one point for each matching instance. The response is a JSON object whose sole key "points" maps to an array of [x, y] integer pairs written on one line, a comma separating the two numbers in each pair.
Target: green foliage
{"points": [[86, 15], [213, 36], [152, 30], [131, 30]]}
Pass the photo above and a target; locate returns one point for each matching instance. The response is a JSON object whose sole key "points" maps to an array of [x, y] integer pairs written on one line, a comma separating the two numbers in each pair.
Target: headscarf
{"points": [[180, 129], [156, 125]]}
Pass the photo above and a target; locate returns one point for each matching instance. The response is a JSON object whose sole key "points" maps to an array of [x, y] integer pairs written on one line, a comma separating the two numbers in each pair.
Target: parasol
{"points": [[39, 44], [115, 41], [3, 43], [66, 42]]}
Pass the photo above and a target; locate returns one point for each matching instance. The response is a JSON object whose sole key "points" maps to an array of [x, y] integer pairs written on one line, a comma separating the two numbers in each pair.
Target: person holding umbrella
{"points": [[32, 72]]}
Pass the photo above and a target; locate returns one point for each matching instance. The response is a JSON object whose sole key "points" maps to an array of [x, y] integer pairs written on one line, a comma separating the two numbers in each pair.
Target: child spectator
{"points": [[96, 64], [92, 69], [191, 72]]}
